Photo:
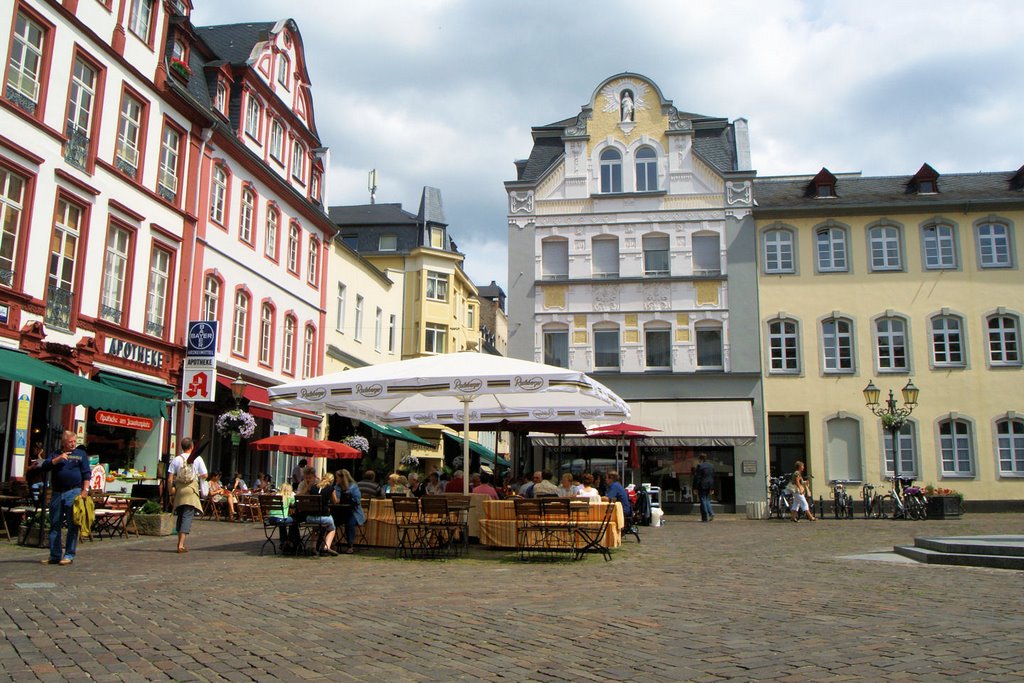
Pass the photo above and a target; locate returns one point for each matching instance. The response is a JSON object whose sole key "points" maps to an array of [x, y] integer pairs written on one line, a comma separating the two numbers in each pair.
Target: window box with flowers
{"points": [[944, 503], [180, 69], [237, 424]]}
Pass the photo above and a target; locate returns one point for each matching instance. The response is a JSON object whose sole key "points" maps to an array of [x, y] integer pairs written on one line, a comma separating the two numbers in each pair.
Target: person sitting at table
{"points": [[456, 484], [587, 490], [281, 514], [368, 485], [395, 487], [417, 487], [261, 484], [433, 486], [616, 492], [526, 489], [568, 488], [308, 484], [545, 488], [238, 484], [219, 494], [325, 489], [346, 491], [481, 483]]}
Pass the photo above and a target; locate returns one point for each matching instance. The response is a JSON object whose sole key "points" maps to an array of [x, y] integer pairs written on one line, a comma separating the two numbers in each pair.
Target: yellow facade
{"points": [[975, 391]]}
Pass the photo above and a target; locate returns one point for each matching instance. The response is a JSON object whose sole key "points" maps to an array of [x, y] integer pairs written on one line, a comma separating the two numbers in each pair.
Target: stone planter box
{"points": [[31, 537], [944, 507], [160, 524]]}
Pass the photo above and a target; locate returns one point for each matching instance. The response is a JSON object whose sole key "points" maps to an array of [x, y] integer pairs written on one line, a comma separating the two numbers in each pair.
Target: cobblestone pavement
{"points": [[731, 600]]}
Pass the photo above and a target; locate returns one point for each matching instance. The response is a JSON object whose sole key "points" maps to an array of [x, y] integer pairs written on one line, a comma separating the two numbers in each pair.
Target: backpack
{"points": [[185, 474]]}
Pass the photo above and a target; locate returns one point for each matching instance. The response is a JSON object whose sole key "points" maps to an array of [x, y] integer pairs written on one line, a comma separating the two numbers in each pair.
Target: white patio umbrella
{"points": [[452, 388]]}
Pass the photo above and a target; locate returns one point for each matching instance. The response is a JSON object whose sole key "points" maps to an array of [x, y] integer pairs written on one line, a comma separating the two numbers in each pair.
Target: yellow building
{"points": [[888, 279]]}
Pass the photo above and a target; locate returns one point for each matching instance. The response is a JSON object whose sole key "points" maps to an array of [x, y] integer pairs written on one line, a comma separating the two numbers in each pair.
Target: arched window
{"points": [[313, 262], [266, 334], [784, 346], [605, 256], [646, 170], [611, 171], [831, 249], [245, 220], [837, 345], [842, 449], [891, 345], [994, 250], [956, 447], [308, 345], [211, 298], [288, 347], [1010, 443], [218, 194], [240, 326], [778, 251], [947, 337], [294, 240], [1003, 340], [884, 246], [938, 242], [908, 451], [273, 221]]}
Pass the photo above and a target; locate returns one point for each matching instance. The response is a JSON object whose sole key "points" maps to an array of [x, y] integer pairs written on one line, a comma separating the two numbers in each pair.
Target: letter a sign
{"points": [[200, 372]]}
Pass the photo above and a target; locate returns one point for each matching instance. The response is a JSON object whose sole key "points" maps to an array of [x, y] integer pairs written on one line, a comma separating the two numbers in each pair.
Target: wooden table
{"points": [[498, 527]]}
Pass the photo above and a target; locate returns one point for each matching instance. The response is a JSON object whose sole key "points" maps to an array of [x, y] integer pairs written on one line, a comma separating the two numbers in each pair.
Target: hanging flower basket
{"points": [[236, 422], [357, 442], [410, 461]]}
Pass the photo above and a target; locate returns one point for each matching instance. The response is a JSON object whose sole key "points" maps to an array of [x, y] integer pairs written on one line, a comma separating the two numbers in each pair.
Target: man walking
{"points": [[70, 467], [704, 484]]}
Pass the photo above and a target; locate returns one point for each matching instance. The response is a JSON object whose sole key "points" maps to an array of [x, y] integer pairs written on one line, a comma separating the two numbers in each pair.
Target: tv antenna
{"points": [[371, 185]]}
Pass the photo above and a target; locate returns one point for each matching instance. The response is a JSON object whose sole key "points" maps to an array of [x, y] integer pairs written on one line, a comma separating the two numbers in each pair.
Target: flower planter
{"points": [[945, 507], [31, 537], [160, 524]]}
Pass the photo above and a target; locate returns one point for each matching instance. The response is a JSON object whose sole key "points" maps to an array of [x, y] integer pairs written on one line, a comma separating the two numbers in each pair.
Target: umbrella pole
{"points": [[466, 400]]}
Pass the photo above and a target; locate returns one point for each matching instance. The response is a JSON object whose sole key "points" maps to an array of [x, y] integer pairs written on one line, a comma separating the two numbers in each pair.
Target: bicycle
{"points": [[898, 505], [779, 501], [842, 502], [872, 501]]}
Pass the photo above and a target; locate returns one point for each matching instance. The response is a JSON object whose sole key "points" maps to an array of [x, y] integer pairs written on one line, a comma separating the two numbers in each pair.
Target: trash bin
{"points": [[756, 509], [656, 515]]}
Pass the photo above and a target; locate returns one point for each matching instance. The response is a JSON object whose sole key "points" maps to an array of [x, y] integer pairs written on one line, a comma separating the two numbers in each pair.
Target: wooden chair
{"points": [[529, 526], [409, 525], [361, 537], [591, 538], [272, 525], [305, 508], [440, 528]]}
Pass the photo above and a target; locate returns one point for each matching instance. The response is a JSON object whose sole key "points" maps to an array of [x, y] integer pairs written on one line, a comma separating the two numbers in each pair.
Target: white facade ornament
{"points": [[520, 202], [737, 193], [606, 297], [625, 96], [657, 296]]}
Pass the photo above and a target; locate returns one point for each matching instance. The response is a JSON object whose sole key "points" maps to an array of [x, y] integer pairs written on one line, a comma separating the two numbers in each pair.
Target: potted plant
{"points": [[180, 68], [237, 424], [944, 503], [360, 443], [151, 520], [28, 530]]}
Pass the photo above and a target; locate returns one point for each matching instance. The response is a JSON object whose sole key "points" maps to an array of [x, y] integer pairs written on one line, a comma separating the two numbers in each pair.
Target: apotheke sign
{"points": [[135, 352]]}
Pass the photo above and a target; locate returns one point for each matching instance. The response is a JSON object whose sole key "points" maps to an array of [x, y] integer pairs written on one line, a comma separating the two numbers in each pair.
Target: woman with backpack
{"points": [[183, 484]]}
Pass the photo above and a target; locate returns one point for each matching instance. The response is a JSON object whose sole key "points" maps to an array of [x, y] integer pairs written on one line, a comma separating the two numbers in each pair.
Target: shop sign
{"points": [[134, 352], [5, 313], [105, 417], [200, 369]]}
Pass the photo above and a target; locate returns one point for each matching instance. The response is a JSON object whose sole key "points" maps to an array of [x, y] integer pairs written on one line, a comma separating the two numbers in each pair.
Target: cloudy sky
{"points": [[444, 92]]}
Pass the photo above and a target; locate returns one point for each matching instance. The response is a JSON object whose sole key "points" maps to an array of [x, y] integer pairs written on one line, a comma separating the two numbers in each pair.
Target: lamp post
{"points": [[237, 391], [893, 416]]}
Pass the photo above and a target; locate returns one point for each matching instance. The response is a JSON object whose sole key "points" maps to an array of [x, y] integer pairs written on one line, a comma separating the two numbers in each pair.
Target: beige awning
{"points": [[680, 423]]}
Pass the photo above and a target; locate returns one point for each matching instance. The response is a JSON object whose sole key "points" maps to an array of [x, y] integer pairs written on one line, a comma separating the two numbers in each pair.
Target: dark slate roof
{"points": [[371, 214], [491, 291], [858, 192], [234, 42], [717, 146], [431, 206], [544, 153]]}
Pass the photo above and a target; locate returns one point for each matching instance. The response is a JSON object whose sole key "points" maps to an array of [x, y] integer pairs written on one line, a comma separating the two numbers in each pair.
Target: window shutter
{"points": [[555, 257], [606, 256]]}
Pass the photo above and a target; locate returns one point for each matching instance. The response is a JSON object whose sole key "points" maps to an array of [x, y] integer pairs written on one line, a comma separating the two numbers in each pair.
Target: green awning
{"points": [[138, 386], [397, 433], [486, 454], [75, 390]]}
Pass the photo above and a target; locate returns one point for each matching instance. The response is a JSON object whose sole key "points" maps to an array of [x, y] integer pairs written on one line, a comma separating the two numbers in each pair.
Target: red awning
{"points": [[259, 403]]}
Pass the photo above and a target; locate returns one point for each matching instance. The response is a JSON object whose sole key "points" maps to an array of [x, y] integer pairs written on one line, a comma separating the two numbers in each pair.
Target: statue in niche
{"points": [[626, 105]]}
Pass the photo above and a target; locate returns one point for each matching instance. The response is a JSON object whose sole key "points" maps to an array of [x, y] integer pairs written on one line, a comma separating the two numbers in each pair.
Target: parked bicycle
{"points": [[904, 500], [779, 499], [842, 501], [872, 501]]}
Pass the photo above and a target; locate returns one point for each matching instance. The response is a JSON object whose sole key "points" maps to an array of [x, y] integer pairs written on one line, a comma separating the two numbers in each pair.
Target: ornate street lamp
{"points": [[893, 416], [238, 390]]}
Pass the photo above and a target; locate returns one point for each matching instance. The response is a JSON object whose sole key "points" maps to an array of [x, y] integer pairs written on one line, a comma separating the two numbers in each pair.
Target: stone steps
{"points": [[997, 552]]}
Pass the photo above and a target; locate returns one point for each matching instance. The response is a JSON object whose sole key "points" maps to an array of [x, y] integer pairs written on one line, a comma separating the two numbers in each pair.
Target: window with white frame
{"points": [[253, 111], [994, 245], [891, 344], [646, 170], [313, 262], [247, 216], [282, 70], [554, 258], [277, 141], [308, 345], [436, 340], [220, 99], [606, 348], [939, 245], [656, 254], [81, 103], [156, 293], [294, 238], [908, 451], [831, 249], [358, 334], [784, 347], [947, 341], [288, 346], [956, 447], [707, 254], [1003, 340], [270, 246], [605, 255], [556, 347], [218, 195], [139, 18], [24, 65], [392, 331], [884, 243], [437, 237], [1010, 444], [115, 270], [170, 151], [658, 347], [471, 318], [709, 347], [12, 190], [339, 309], [387, 242], [437, 286], [378, 329], [611, 171], [63, 256], [298, 161], [778, 251], [837, 345], [128, 132], [240, 326], [211, 298], [266, 334]]}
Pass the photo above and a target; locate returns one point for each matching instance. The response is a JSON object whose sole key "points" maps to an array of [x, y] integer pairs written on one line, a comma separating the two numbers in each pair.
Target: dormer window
{"points": [[823, 185], [925, 181], [823, 190], [926, 187]]}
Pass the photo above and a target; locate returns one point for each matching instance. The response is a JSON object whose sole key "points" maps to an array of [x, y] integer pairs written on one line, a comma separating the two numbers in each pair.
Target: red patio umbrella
{"points": [[296, 444], [622, 429]]}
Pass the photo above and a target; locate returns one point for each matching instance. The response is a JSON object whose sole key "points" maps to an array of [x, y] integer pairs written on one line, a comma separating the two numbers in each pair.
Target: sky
{"points": [[444, 92]]}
